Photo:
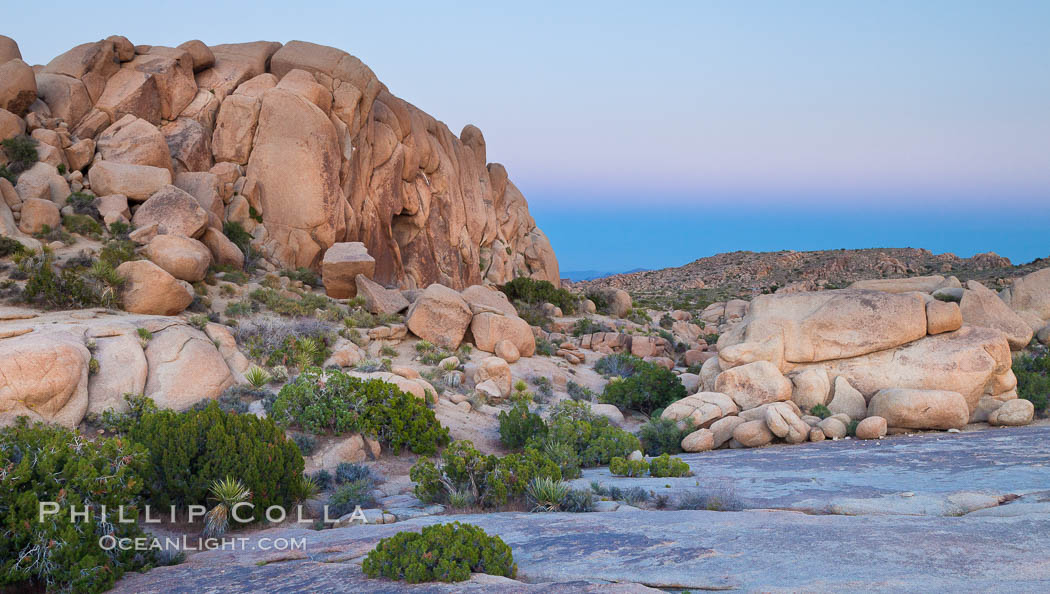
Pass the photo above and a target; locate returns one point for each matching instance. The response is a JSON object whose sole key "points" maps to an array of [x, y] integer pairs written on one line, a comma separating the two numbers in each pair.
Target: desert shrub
{"points": [[236, 233], [1033, 379], [666, 321], [82, 225], [618, 365], [347, 472], [662, 436], [322, 478], [21, 153], [580, 392], [537, 292], [332, 402], [302, 342], [10, 247], [533, 314], [547, 494], [442, 552], [234, 399], [545, 347], [189, 450], [304, 275], [649, 388], [83, 204], [578, 501], [350, 494], [45, 463], [518, 424], [485, 480], [851, 428], [601, 302], [71, 287], [117, 251], [623, 467], [594, 439], [665, 465], [819, 410], [302, 305], [564, 455], [307, 443], [638, 316], [719, 498], [588, 326]]}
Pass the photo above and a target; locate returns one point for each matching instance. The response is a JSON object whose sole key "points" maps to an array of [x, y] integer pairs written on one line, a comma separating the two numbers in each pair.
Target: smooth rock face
{"points": [[341, 265], [872, 428], [44, 376], [923, 284], [810, 387], [17, 86], [836, 324], [439, 315], [148, 289], [497, 370], [967, 361], [1031, 293], [137, 182], [37, 213], [982, 307], [484, 298], [700, 440], [122, 370], [722, 429], [619, 301], [847, 400], [295, 165], [184, 258], [753, 434], [754, 384], [379, 299], [174, 211], [181, 352], [490, 328], [832, 428], [224, 252], [920, 409], [134, 141], [1013, 413], [506, 350], [943, 316]]}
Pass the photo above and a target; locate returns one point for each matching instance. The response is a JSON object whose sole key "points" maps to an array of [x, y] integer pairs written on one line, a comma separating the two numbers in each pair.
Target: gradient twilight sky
{"points": [[651, 134]]}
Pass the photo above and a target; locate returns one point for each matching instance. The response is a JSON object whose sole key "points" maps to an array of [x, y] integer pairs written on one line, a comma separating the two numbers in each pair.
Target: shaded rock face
{"points": [[330, 155]]}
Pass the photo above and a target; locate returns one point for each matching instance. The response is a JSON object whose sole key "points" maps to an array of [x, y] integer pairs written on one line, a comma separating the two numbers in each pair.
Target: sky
{"points": [[651, 134]]}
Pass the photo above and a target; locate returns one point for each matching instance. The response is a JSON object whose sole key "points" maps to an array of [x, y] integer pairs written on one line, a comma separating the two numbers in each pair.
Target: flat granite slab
{"points": [[939, 473], [769, 551]]}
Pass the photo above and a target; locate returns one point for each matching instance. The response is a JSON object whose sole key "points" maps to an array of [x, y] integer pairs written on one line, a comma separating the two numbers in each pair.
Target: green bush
{"points": [[588, 326], [349, 495], [618, 365], [71, 287], [624, 467], [82, 225], [1033, 379], [443, 553], [332, 402], [601, 302], [83, 204], [537, 292], [21, 153], [45, 463], [10, 247], [517, 425], [664, 465], [236, 233], [594, 439], [649, 388], [819, 410], [485, 480], [662, 436], [189, 450]]}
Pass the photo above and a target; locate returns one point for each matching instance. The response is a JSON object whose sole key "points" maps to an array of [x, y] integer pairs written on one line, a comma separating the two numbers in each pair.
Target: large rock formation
{"points": [[312, 150]]}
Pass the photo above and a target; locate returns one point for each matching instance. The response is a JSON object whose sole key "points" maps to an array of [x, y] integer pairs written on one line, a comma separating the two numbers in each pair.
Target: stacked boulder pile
{"points": [[888, 356], [300, 144]]}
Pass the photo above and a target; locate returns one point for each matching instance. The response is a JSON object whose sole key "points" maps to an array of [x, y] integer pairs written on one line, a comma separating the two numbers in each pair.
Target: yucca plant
{"points": [[306, 351], [307, 488], [257, 376], [452, 379], [547, 494], [227, 493], [144, 336]]}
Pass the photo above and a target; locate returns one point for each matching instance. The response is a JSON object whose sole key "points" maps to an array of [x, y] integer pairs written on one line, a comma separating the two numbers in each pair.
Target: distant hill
{"points": [[586, 275], [750, 273]]}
